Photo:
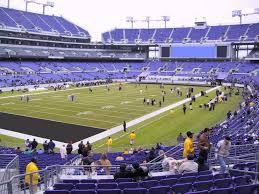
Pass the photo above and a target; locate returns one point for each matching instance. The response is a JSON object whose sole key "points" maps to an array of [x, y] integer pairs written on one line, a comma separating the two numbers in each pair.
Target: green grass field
{"points": [[105, 109]]}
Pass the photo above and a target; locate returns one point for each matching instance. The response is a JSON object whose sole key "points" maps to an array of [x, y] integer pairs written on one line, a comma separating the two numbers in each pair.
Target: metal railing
{"points": [[11, 169]]}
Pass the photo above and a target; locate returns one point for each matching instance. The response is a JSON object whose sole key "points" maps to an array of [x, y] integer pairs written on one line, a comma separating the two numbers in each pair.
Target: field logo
{"points": [[125, 102], [107, 107], [84, 113]]}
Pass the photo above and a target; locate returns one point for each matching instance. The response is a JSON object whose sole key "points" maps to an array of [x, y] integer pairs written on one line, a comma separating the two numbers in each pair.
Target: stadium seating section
{"points": [[228, 33], [38, 23]]}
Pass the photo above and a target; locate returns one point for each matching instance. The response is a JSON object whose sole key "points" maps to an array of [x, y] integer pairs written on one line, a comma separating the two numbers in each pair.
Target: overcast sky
{"points": [[98, 16]]}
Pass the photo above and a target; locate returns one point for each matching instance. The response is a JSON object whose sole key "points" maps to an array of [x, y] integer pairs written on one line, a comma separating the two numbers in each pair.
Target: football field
{"points": [[102, 109]]}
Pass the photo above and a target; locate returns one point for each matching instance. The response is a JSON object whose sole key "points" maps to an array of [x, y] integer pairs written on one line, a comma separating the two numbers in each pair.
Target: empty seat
{"points": [[222, 191], [190, 174], [124, 185], [203, 185], [106, 181], [204, 177], [189, 179], [118, 180], [84, 186], [182, 188], [247, 189], [242, 180], [160, 190], [223, 183], [135, 191], [148, 184], [56, 192], [107, 185], [108, 191], [199, 192], [169, 182], [206, 172], [90, 191], [221, 176], [63, 186], [73, 181], [88, 181]]}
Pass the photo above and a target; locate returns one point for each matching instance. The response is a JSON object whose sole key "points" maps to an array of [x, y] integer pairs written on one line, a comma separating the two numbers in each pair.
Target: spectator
{"points": [[46, 147], [32, 168], [151, 155], [204, 144], [69, 148], [80, 147], [202, 166], [188, 145], [89, 146], [88, 161], [105, 163], [119, 158], [126, 151], [138, 173], [123, 172], [34, 145], [63, 152], [189, 166], [222, 151], [40, 151], [27, 144], [27, 152], [18, 150], [51, 146], [180, 138]]}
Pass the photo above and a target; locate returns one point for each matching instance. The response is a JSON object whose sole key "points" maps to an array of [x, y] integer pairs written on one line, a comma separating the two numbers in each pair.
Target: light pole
{"points": [[148, 21], [48, 4], [165, 19], [131, 20]]}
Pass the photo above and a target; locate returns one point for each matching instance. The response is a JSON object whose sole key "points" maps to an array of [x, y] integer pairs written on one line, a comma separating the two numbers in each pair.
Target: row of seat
{"points": [[177, 189]]}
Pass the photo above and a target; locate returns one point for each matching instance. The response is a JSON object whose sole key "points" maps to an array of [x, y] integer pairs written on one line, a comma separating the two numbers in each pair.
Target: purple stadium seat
{"points": [[135, 191], [56, 192], [148, 184], [108, 191], [63, 186], [199, 192], [88, 181], [169, 181], [242, 180], [124, 185], [120, 180], [182, 188], [84, 186], [106, 181], [221, 176], [223, 183], [203, 185], [160, 190], [107, 185], [247, 189], [188, 179], [204, 177], [73, 181], [89, 191], [222, 191]]}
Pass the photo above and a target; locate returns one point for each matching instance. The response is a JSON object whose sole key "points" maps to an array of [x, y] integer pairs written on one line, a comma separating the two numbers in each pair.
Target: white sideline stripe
{"points": [[116, 129], [34, 94], [26, 136]]}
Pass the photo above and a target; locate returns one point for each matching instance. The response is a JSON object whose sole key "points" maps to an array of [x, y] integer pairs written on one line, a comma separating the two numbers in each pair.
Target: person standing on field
{"points": [[109, 144], [132, 137]]}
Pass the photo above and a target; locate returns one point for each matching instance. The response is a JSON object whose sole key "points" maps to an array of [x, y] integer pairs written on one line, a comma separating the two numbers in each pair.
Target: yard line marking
{"points": [[8, 103], [84, 113]]}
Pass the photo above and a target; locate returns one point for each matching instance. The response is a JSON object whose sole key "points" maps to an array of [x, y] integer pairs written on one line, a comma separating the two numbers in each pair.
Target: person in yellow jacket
{"points": [[32, 167], [188, 145], [109, 144], [132, 137]]}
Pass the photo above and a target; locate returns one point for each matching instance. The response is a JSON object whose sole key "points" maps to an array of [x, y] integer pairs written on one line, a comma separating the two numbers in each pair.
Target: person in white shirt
{"points": [[222, 151], [189, 166], [63, 152]]}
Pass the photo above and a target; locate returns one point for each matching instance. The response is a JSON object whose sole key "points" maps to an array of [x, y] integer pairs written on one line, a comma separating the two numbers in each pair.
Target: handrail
{"points": [[8, 165]]}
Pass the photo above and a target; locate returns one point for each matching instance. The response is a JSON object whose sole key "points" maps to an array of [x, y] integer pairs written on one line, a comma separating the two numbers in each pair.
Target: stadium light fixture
{"points": [[148, 21], [165, 19], [131, 20], [48, 4], [238, 13]]}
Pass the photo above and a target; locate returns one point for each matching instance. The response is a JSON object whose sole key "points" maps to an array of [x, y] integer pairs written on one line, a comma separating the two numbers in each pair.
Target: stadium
{"points": [[142, 108]]}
